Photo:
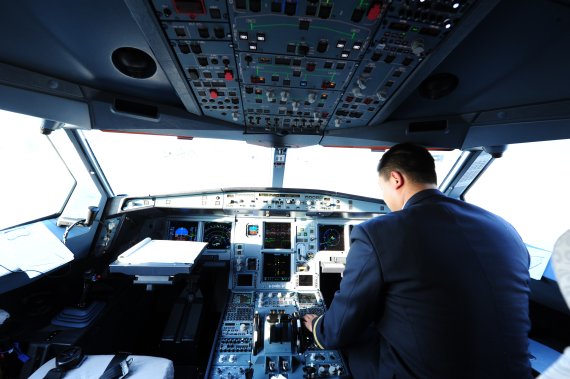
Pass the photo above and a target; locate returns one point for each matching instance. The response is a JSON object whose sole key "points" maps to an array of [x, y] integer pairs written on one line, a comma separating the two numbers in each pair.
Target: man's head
{"points": [[404, 170]]}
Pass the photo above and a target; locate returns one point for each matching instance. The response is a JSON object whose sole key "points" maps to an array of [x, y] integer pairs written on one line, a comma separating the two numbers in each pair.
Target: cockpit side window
{"points": [[529, 187], [36, 183]]}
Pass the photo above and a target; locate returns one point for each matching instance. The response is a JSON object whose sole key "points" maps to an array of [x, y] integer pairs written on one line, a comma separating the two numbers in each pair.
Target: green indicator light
{"points": [[415, 29]]}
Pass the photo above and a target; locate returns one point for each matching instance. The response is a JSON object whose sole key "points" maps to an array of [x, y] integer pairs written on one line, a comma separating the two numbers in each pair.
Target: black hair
{"points": [[410, 159]]}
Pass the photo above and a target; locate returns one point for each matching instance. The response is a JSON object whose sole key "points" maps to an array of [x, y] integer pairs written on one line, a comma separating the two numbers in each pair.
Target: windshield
{"points": [[138, 164], [36, 181]]}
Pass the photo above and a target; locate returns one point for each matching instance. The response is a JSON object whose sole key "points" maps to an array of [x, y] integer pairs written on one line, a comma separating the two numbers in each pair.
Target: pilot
{"points": [[438, 288]]}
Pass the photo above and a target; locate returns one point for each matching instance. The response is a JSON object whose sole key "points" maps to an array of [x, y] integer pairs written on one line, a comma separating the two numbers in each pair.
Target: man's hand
{"points": [[308, 321]]}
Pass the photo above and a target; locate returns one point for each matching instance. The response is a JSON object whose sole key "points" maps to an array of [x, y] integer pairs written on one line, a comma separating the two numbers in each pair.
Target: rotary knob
{"points": [[311, 98]]}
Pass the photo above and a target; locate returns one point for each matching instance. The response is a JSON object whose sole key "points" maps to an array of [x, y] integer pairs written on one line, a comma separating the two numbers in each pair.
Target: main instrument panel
{"points": [[278, 244], [304, 66]]}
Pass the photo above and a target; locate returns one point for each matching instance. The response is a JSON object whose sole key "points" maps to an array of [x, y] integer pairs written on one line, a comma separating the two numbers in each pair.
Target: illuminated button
{"points": [[374, 12], [253, 46], [357, 45], [340, 44], [261, 36], [345, 54], [213, 94], [229, 75], [243, 35]]}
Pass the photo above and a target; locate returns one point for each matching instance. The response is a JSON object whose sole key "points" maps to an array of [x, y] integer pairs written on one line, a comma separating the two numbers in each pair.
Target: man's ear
{"points": [[397, 179]]}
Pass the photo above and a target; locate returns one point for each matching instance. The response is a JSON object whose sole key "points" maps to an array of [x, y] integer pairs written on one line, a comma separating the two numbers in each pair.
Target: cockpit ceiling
{"points": [[299, 72]]}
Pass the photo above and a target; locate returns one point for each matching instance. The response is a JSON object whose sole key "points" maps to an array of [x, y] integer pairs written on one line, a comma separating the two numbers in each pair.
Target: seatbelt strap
{"points": [[55, 373], [117, 368]]}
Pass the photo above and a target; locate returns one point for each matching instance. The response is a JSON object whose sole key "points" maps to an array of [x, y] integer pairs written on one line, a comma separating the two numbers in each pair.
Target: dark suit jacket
{"points": [[436, 290]]}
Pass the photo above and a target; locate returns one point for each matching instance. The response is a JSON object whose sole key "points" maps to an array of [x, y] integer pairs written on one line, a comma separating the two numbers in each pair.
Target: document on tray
{"points": [[33, 249]]}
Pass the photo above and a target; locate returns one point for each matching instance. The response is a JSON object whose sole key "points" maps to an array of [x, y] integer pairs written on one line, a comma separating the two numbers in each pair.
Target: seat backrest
{"points": [[561, 264]]}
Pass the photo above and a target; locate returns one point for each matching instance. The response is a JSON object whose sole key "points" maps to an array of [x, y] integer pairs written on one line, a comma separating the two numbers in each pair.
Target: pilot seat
{"points": [[71, 363]]}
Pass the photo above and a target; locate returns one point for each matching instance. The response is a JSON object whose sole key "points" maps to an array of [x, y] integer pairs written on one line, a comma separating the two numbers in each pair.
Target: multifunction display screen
{"points": [[276, 267], [277, 235]]}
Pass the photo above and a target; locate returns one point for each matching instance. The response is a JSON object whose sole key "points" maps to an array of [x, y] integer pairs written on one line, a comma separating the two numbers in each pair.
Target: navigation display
{"points": [[218, 235], [183, 230], [276, 267], [331, 237], [277, 235]]}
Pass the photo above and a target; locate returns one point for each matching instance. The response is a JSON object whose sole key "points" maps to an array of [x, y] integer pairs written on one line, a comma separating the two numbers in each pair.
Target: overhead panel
{"points": [[301, 67]]}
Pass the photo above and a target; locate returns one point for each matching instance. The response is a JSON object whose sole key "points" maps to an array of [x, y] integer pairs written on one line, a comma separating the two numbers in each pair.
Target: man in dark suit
{"points": [[436, 289]]}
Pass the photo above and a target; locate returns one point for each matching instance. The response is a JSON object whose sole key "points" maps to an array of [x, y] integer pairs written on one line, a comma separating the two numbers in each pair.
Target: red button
{"points": [[374, 12], [213, 94], [229, 75]]}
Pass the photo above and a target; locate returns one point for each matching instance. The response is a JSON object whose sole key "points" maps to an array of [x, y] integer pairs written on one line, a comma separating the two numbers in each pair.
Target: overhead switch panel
{"points": [[301, 67]]}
